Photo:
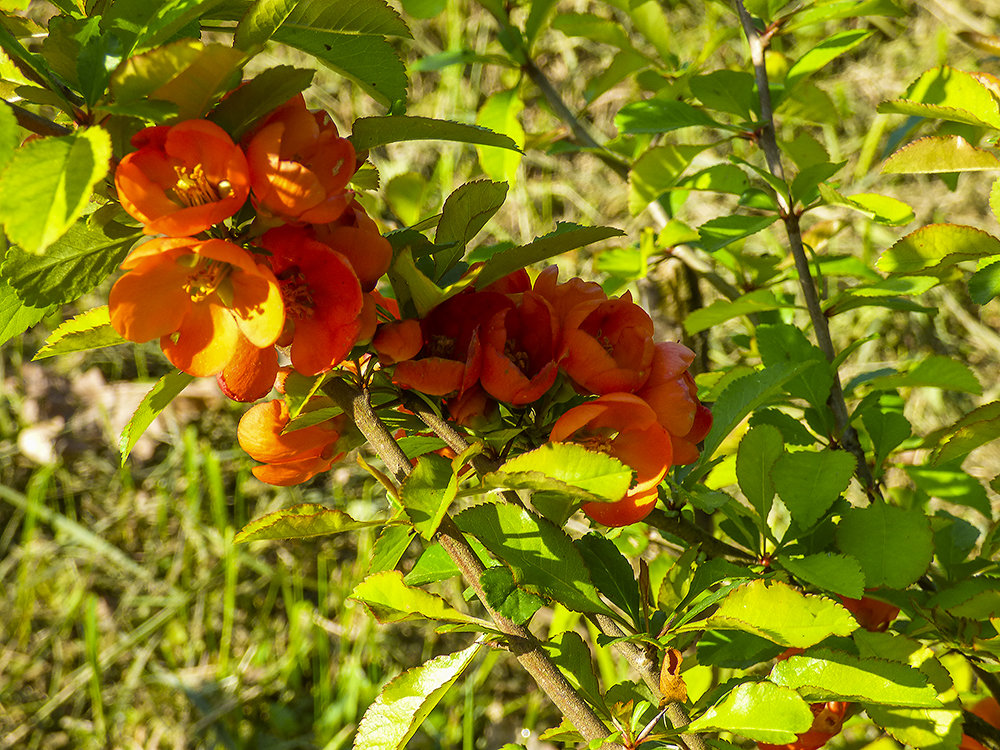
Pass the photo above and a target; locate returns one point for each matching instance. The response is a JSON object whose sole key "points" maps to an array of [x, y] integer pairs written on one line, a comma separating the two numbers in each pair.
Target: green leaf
{"points": [[732, 91], [831, 675], [15, 316], [655, 172], [887, 429], [500, 114], [923, 728], [785, 343], [984, 284], [611, 572], [392, 543], [822, 54], [759, 449], [837, 573], [759, 711], [465, 212], [539, 553], [568, 468], [503, 595], [427, 493], [804, 187], [89, 330], [47, 184], [660, 116], [391, 600], [743, 396], [718, 233], [241, 109], [10, 135], [594, 28], [809, 481], [186, 73], [573, 658], [831, 10], [567, 236], [260, 21], [779, 613], [949, 94], [893, 545], [951, 153], [154, 402], [759, 300], [934, 372], [71, 266], [302, 521], [142, 25], [952, 485], [404, 703], [371, 132], [883, 209], [978, 427], [719, 178], [933, 249]]}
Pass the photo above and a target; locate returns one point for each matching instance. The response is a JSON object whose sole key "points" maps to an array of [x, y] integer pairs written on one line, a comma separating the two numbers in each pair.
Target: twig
{"points": [[845, 433], [521, 641]]}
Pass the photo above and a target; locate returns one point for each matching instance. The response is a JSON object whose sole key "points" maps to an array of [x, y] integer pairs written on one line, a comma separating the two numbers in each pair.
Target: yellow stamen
{"points": [[296, 295], [205, 277], [194, 189]]}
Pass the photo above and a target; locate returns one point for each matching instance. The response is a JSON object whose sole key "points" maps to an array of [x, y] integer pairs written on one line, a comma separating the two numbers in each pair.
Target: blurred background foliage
{"points": [[130, 618]]}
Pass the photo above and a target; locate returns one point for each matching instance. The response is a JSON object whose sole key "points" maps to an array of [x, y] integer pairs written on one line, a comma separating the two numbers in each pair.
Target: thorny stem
{"points": [[520, 640], [846, 434]]}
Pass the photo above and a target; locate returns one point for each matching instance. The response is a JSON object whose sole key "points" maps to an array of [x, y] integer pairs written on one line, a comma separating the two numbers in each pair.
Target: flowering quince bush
{"points": [[757, 542]]}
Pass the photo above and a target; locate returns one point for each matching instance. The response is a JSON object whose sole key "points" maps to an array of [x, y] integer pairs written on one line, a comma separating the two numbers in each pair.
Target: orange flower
{"points": [[197, 297], [323, 299], [357, 238], [608, 346], [566, 296], [519, 351], [289, 457], [624, 426], [250, 373], [300, 166], [398, 340], [183, 179]]}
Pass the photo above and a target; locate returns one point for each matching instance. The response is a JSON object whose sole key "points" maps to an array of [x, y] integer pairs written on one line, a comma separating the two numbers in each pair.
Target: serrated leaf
{"points": [[822, 54], [47, 184], [719, 178], [10, 135], [566, 467], [372, 132], [656, 171], [464, 213], [810, 481], [760, 711], [89, 330], [391, 544], [260, 21], [15, 316], [660, 116], [538, 553], [780, 613], [611, 572], [154, 402], [730, 91], [934, 372], [759, 449], [831, 675], [934, 154], [893, 545], [242, 108], [391, 600], [302, 521], [837, 573], [883, 209], [984, 284], [567, 236], [427, 493], [948, 94], [500, 113], [504, 596], [978, 427], [759, 300], [404, 703], [717, 233], [935, 248]]}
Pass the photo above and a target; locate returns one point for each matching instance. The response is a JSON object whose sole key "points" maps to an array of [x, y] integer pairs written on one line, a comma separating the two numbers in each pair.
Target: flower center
{"points": [[597, 443], [440, 345], [205, 277], [516, 355], [193, 188], [295, 294]]}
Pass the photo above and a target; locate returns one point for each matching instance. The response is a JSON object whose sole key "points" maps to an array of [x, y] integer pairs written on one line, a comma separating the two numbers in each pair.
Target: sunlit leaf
{"points": [[893, 545], [978, 427], [500, 113], [566, 467], [159, 397], [837, 573], [933, 249], [391, 600], [822, 54], [88, 330], [656, 171], [722, 310], [755, 458], [808, 482], [760, 711], [427, 493], [948, 94], [934, 372], [371, 132], [302, 521], [940, 154]]}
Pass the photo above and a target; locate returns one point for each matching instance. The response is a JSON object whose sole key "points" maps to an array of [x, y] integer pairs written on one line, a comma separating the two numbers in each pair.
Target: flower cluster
{"points": [[509, 342], [254, 245]]}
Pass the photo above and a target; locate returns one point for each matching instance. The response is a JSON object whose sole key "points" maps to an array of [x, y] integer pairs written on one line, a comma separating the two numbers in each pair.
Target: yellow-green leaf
{"points": [[950, 153]]}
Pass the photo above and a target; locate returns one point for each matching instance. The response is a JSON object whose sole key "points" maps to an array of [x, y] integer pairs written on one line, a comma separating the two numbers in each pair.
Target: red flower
{"points": [[451, 359], [398, 341], [828, 719], [183, 179], [197, 297], [568, 295], [519, 351], [871, 614], [624, 426], [289, 457], [322, 298], [608, 346], [300, 166], [356, 237], [474, 409], [671, 392]]}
